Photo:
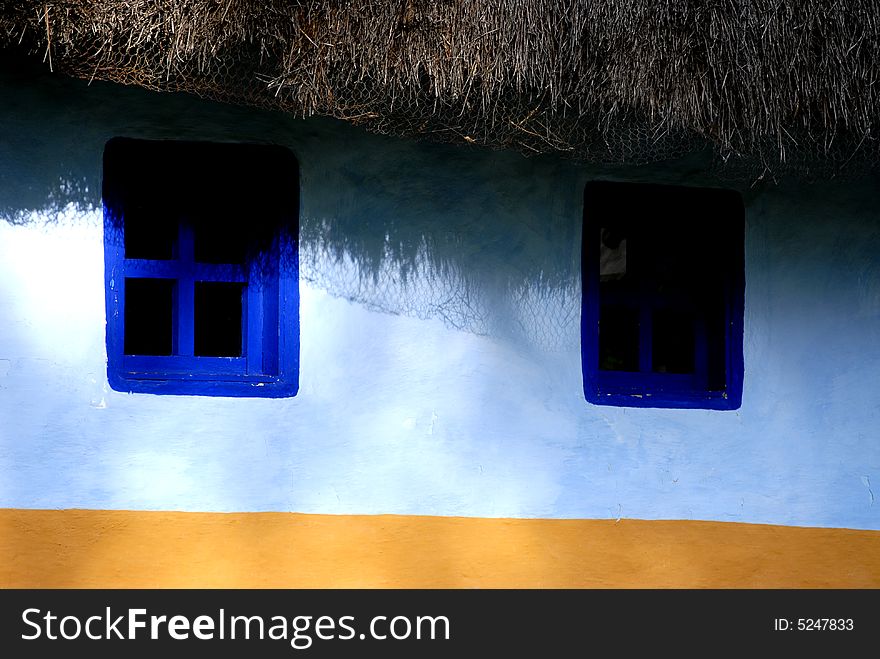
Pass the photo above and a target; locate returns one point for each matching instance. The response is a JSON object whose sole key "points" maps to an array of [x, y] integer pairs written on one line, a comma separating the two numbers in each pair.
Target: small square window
{"points": [[663, 283], [201, 268]]}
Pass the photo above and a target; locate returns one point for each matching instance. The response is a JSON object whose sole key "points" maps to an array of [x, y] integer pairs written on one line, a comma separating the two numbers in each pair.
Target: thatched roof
{"points": [[774, 82]]}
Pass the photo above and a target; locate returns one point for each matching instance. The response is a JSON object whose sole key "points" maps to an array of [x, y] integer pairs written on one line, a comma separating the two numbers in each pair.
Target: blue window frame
{"points": [[201, 268], [663, 284]]}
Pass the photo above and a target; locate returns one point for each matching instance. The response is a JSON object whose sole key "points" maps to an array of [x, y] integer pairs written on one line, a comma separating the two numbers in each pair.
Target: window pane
{"points": [[673, 341], [715, 343], [683, 263], [618, 339], [150, 233], [612, 254], [219, 237], [148, 316], [218, 319]]}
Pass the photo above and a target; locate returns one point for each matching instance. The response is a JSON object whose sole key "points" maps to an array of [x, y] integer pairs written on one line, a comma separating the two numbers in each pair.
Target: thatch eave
{"points": [[777, 85]]}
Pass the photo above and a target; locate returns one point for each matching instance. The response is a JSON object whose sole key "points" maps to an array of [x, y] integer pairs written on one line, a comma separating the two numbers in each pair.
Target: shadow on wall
{"points": [[42, 169], [476, 238]]}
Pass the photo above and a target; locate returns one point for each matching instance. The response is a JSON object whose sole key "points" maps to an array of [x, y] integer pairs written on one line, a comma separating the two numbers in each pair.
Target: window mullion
{"points": [[646, 327], [252, 328], [701, 350], [185, 294]]}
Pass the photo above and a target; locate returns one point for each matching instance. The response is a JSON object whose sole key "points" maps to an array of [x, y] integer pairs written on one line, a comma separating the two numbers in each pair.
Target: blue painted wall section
{"points": [[440, 369]]}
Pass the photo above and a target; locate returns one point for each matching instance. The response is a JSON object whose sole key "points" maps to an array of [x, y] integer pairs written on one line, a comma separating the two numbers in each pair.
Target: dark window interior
{"points": [[619, 339], [216, 240], [673, 341], [218, 319], [149, 328], [150, 231]]}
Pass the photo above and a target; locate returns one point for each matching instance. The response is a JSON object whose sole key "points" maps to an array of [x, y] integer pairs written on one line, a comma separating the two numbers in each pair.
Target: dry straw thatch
{"points": [[775, 83]]}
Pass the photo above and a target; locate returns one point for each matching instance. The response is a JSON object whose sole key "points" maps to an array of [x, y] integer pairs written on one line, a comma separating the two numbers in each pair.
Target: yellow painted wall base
{"points": [[122, 549]]}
